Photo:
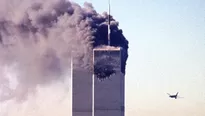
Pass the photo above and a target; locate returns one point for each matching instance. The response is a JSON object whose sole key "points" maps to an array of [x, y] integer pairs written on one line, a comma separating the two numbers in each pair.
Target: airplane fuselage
{"points": [[173, 96]]}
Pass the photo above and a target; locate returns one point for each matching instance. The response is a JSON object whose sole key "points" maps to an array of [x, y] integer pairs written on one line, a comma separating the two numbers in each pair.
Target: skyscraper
{"points": [[100, 93], [81, 92], [108, 82]]}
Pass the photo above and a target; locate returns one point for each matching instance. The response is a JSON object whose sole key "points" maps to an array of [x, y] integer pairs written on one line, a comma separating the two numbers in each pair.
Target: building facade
{"points": [[81, 92], [108, 89], [100, 93]]}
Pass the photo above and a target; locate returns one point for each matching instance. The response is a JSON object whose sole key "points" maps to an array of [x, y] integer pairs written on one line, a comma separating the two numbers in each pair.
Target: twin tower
{"points": [[92, 96]]}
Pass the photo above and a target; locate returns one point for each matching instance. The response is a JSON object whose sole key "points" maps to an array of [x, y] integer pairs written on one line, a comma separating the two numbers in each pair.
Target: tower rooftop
{"points": [[107, 48]]}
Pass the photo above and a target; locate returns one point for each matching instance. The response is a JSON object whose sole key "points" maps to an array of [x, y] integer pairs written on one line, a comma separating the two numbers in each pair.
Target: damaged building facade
{"points": [[100, 92]]}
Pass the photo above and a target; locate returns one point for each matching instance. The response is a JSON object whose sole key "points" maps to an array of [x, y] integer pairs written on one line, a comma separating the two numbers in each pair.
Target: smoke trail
{"points": [[37, 40]]}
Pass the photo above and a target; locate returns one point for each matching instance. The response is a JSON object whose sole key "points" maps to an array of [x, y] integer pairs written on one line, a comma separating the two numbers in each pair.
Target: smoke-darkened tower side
{"points": [[109, 82]]}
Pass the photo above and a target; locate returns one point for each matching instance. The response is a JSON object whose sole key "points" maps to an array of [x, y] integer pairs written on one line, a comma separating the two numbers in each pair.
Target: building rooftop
{"points": [[108, 48]]}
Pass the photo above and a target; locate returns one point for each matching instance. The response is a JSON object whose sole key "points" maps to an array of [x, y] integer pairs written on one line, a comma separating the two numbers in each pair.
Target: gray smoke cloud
{"points": [[38, 38]]}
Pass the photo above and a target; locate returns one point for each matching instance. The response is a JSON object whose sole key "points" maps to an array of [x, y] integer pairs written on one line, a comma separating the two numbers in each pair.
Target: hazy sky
{"points": [[166, 55]]}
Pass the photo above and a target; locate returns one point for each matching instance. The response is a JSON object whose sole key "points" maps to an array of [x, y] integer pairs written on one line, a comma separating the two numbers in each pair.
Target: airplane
{"points": [[173, 96]]}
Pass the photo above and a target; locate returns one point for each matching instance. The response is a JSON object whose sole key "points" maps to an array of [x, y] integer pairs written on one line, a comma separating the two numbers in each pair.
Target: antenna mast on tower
{"points": [[108, 22]]}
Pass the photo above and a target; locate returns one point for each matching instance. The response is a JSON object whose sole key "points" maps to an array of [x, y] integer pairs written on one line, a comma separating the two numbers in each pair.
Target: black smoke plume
{"points": [[38, 38]]}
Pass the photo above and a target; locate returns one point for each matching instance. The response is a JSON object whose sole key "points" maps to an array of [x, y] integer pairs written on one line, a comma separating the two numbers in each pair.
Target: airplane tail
{"points": [[176, 95]]}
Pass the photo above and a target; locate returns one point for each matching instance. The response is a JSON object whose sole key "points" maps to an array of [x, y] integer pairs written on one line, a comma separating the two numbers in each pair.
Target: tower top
{"points": [[107, 48]]}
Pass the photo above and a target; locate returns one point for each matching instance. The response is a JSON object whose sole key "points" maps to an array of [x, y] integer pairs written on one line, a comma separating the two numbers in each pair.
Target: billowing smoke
{"points": [[37, 40], [107, 62], [105, 67]]}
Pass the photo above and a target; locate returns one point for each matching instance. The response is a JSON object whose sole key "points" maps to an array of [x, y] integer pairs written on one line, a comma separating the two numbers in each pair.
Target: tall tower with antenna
{"points": [[109, 93], [92, 96]]}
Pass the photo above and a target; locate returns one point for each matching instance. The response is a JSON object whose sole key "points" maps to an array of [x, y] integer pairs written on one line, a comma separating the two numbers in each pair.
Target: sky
{"points": [[166, 55]]}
